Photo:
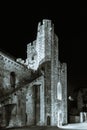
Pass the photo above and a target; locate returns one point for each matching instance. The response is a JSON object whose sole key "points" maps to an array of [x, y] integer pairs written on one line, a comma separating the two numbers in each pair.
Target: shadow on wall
{"points": [[8, 112]]}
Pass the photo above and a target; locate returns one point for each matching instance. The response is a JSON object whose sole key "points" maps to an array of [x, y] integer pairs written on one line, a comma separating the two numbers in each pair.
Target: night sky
{"points": [[18, 27]]}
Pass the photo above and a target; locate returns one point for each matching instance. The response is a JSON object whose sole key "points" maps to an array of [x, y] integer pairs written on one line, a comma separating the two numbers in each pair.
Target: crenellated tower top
{"points": [[40, 50]]}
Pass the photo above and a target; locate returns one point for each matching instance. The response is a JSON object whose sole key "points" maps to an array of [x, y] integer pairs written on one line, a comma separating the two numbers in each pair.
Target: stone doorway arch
{"points": [[48, 120]]}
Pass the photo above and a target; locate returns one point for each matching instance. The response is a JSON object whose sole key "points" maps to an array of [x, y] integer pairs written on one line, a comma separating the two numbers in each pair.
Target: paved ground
{"points": [[34, 128], [76, 126]]}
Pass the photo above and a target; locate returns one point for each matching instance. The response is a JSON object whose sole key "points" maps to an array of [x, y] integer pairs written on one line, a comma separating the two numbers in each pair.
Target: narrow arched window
{"points": [[12, 79], [59, 91]]}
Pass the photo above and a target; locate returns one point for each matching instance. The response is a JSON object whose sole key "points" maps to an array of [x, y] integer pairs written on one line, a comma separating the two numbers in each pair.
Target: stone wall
{"points": [[14, 109], [41, 47], [64, 92], [47, 86], [31, 60], [35, 109], [35, 98], [54, 79], [8, 66]]}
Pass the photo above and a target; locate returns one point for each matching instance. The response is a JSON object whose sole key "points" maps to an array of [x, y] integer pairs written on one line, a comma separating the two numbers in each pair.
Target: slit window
{"points": [[32, 57], [12, 79]]}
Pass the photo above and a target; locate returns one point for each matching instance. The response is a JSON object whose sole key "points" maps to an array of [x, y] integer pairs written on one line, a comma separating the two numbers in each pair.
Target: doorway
{"points": [[37, 103], [48, 120]]}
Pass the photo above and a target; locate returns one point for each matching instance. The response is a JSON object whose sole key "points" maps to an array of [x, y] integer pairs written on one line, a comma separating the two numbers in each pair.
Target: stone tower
{"points": [[37, 88], [43, 53], [40, 50]]}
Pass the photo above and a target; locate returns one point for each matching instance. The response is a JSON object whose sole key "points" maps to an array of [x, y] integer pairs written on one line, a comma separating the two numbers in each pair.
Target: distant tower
{"points": [[44, 52]]}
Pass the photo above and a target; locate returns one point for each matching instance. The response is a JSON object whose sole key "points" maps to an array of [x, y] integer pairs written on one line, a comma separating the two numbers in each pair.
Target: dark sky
{"points": [[18, 26]]}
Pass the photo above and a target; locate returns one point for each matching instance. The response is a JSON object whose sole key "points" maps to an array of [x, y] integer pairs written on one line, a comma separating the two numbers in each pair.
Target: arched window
{"points": [[12, 79], [59, 91]]}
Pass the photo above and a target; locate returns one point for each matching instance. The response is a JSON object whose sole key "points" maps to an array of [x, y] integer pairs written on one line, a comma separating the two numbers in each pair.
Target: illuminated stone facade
{"points": [[34, 91]]}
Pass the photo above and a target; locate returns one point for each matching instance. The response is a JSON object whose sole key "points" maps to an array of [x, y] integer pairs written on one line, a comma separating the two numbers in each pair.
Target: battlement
{"points": [[5, 54], [45, 23], [40, 49], [7, 59]]}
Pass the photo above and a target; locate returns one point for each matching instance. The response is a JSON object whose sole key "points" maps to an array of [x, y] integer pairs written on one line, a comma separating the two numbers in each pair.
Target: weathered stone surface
{"points": [[30, 87]]}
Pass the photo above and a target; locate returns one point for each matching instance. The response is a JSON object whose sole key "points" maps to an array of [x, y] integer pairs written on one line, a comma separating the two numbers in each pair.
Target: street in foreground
{"points": [[77, 126]]}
